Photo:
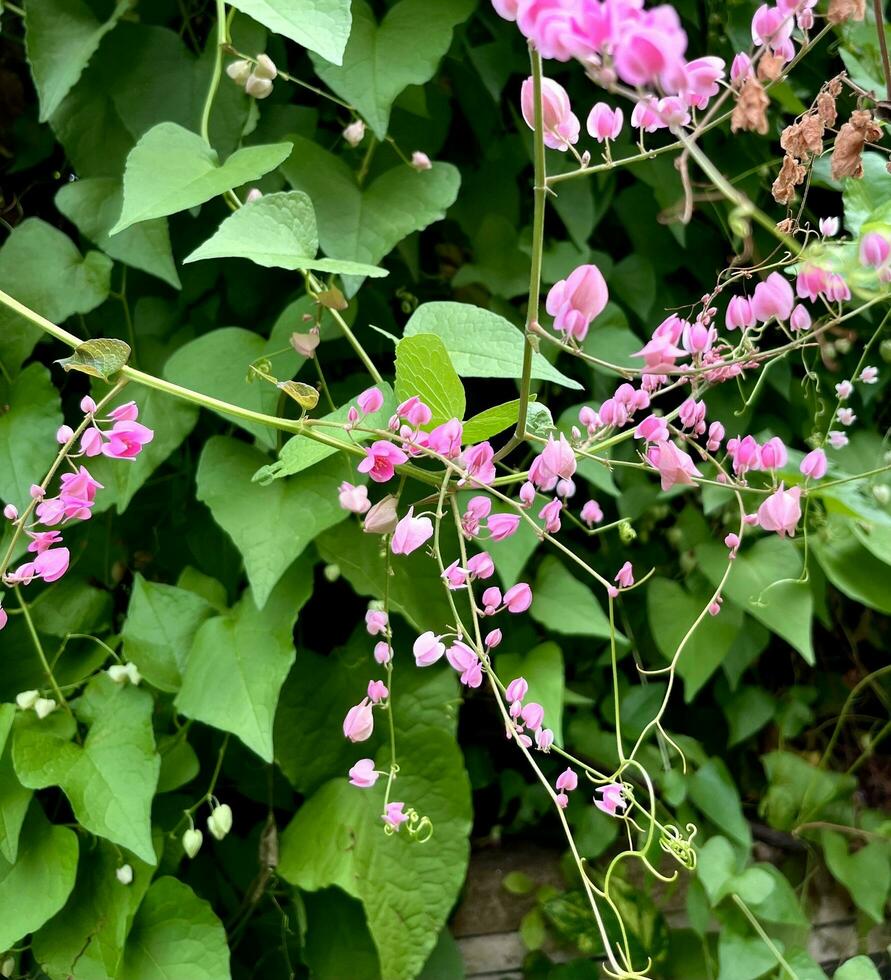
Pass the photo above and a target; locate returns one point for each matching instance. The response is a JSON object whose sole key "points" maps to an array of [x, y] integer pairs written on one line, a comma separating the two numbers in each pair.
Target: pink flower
{"points": [[773, 298], [652, 429], [673, 464], [381, 460], [715, 437], [771, 26], [702, 76], [454, 575], [673, 111], [837, 289], [692, 415], [814, 465], [506, 8], [414, 411], [844, 390], [874, 250], [659, 354], [481, 565], [49, 565], [11, 512], [739, 314], [650, 48], [420, 161], [869, 375], [591, 513], [527, 493], [63, 434], [561, 125], [567, 780], [478, 509], [4, 618], [394, 817], [128, 412], [732, 541], [359, 722], [502, 526], [604, 122], [549, 25], [427, 649], [773, 454], [562, 800], [492, 639], [126, 439], [478, 462], [612, 798], [829, 227], [698, 338], [363, 774], [800, 319], [87, 405], [517, 689], [846, 416], [445, 439], [376, 622], [382, 517], [557, 459], [838, 440], [781, 512], [550, 514], [377, 691], [810, 282], [411, 532], [518, 598], [353, 498], [532, 715], [383, 654], [466, 662], [544, 739], [645, 117], [91, 442], [746, 454], [43, 540], [625, 576], [575, 301], [370, 401], [491, 599]]}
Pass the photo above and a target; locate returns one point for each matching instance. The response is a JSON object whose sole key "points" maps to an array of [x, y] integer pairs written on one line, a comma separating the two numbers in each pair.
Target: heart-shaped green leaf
{"points": [[320, 25], [100, 358]]}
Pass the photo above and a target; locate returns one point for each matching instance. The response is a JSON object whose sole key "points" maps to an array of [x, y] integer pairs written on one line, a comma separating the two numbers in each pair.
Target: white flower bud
{"points": [[219, 823], [420, 161], [27, 699], [354, 133], [133, 673], [44, 707], [239, 71], [124, 874], [118, 673], [192, 841], [882, 493], [7, 967], [265, 67], [258, 88], [254, 194]]}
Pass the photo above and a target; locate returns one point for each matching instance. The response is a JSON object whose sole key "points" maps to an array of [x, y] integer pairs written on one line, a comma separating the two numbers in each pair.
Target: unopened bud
{"points": [[10, 512], [192, 841], [44, 707], [219, 823], [239, 71], [354, 133], [124, 874], [305, 343], [265, 67], [254, 194], [331, 573], [27, 699], [420, 161], [882, 493], [258, 88], [7, 967], [63, 434], [382, 517]]}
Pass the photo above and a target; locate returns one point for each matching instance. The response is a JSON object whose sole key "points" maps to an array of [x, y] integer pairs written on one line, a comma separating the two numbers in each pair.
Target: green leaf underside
{"points": [[320, 25]]}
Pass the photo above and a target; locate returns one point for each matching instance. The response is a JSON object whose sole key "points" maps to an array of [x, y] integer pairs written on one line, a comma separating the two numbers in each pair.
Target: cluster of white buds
{"points": [[254, 77], [121, 673], [27, 700], [219, 823]]}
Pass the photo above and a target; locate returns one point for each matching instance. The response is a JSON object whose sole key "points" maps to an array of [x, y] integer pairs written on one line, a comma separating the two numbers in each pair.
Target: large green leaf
{"points": [[93, 205], [743, 957], [859, 968], [407, 888], [672, 611], [869, 198], [866, 872], [239, 661], [365, 224], [110, 780], [381, 60], [14, 798], [713, 790], [175, 935], [27, 432], [60, 37], [42, 268], [161, 623], [423, 367], [764, 581], [563, 604], [542, 667], [857, 572], [277, 231], [217, 364], [171, 169], [415, 588], [34, 888], [301, 452], [320, 25], [270, 525], [480, 343], [85, 941]]}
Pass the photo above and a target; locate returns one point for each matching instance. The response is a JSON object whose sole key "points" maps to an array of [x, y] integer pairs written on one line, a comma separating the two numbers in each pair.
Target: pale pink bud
{"points": [[377, 691], [562, 800], [604, 122], [814, 465], [781, 511], [370, 401], [874, 250], [518, 598], [493, 639], [382, 517], [732, 541], [354, 498], [128, 412], [394, 816], [491, 600], [715, 437], [829, 227], [544, 739], [527, 494], [532, 715], [481, 565], [376, 622], [625, 576], [10, 512], [575, 301], [411, 532], [800, 319], [739, 314], [550, 514], [773, 454], [454, 575], [844, 389], [87, 405], [869, 375], [517, 689], [254, 194], [561, 125], [568, 780], [359, 722], [363, 774], [838, 440], [506, 8], [354, 133], [773, 298], [591, 513], [427, 649], [740, 69], [383, 654], [414, 411], [846, 416], [502, 526], [420, 161]]}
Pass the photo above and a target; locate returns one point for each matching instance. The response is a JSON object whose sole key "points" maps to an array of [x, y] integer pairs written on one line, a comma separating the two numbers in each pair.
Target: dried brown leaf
{"points": [[847, 154]]}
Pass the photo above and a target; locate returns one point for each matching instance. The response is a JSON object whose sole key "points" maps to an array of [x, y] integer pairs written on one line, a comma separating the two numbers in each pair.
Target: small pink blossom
{"points": [[376, 622], [454, 575], [544, 739], [414, 411], [381, 460], [502, 526], [838, 440], [492, 639], [11, 512], [128, 412], [383, 653], [814, 465], [394, 817], [561, 125], [87, 405], [43, 540], [491, 600], [773, 454], [562, 800], [91, 442], [773, 298], [874, 250], [363, 774], [478, 463], [532, 715], [567, 780], [411, 532], [370, 401], [63, 434], [771, 26], [715, 437], [517, 689], [420, 161], [800, 320], [126, 439], [377, 691], [844, 390], [781, 511], [445, 439], [550, 514], [740, 69], [575, 301], [465, 661], [732, 541], [645, 116], [829, 227], [427, 649], [673, 464], [591, 513], [612, 800], [353, 498], [481, 566], [869, 375], [4, 618], [625, 576], [604, 122], [846, 416], [527, 494], [359, 722], [518, 598]]}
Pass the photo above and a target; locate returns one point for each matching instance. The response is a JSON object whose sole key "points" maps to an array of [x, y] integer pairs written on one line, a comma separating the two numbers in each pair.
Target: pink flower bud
{"points": [[354, 133], [781, 512], [561, 125], [740, 68], [604, 122], [532, 715], [491, 599], [568, 780], [376, 622], [502, 526], [575, 301], [544, 739], [377, 691], [411, 532], [838, 440], [493, 639], [814, 465], [591, 513], [517, 689], [773, 454], [773, 298], [370, 401], [427, 649], [562, 800], [732, 541], [518, 598], [481, 566], [420, 161], [128, 412], [800, 319], [625, 576], [527, 494], [829, 227], [715, 437], [354, 498], [10, 512], [87, 405], [550, 514], [874, 250], [359, 722], [363, 774], [383, 654], [382, 517], [869, 375]]}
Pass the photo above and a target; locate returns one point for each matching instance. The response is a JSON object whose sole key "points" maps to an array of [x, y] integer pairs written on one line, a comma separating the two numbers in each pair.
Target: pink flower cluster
{"points": [[526, 716], [122, 439]]}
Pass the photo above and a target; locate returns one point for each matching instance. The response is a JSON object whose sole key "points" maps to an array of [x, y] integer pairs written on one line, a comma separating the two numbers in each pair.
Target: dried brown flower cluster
{"points": [[847, 154], [750, 111], [842, 10]]}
